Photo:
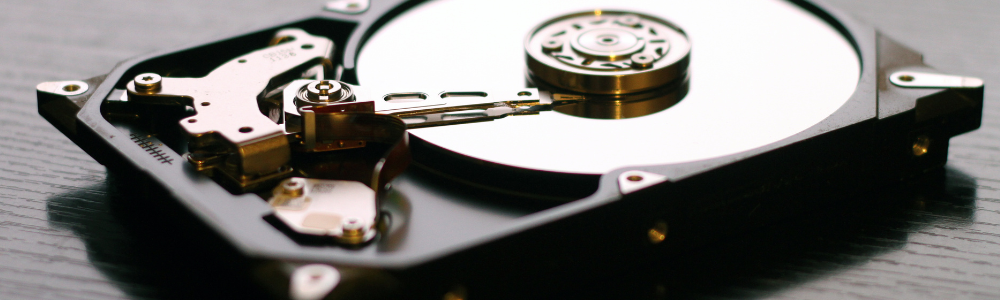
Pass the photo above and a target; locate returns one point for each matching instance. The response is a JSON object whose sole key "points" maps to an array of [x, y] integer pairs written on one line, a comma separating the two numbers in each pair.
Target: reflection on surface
{"points": [[144, 247], [618, 106], [852, 234], [140, 246]]}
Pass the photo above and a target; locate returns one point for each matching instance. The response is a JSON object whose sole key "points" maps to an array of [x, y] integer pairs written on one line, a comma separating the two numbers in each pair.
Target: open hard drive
{"points": [[477, 149]]}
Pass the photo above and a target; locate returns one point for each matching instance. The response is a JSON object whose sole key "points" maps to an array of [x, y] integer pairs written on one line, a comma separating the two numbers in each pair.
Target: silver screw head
{"points": [[148, 82], [642, 61], [350, 7], [552, 45], [629, 20]]}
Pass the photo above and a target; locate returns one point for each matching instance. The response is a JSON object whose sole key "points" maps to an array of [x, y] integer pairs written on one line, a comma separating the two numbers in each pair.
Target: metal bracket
{"points": [[909, 79], [426, 109], [635, 180], [345, 210], [350, 7], [226, 102]]}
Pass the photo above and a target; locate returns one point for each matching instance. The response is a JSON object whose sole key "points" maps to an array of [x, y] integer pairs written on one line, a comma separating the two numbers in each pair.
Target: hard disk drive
{"points": [[479, 149]]}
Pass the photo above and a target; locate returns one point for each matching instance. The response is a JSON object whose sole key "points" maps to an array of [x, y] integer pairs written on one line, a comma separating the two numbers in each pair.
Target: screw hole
{"points": [[906, 78], [205, 104], [634, 178], [70, 88], [524, 94], [192, 120], [242, 61], [307, 46], [246, 129]]}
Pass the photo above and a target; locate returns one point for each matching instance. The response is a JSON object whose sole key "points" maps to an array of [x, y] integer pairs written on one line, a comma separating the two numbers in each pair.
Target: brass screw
{"points": [[293, 187], [658, 233], [353, 231], [920, 145]]}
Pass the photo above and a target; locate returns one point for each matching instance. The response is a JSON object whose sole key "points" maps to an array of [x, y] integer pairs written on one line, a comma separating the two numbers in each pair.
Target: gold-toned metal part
{"points": [[293, 187], [658, 233], [456, 293], [921, 145], [620, 106], [228, 121], [607, 52]]}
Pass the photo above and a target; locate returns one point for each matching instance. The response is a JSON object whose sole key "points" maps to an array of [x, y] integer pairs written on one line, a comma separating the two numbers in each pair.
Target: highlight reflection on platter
{"points": [[748, 84]]}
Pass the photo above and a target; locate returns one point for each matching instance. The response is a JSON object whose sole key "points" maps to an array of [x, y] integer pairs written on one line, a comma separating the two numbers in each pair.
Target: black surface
{"points": [[65, 233]]}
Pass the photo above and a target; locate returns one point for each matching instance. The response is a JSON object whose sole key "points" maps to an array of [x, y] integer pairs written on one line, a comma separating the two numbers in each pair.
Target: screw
{"points": [[552, 45], [658, 233], [353, 228], [629, 20], [642, 61], [325, 90], [921, 145], [348, 6], [293, 187], [148, 82]]}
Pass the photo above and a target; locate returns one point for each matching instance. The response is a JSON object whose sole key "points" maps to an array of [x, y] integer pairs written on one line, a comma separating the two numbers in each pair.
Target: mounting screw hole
{"points": [[205, 104], [242, 61], [905, 78], [307, 46], [246, 129], [524, 94], [634, 178], [192, 120], [71, 88]]}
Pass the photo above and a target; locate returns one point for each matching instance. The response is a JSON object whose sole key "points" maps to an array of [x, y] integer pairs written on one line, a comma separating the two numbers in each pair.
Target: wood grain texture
{"points": [[62, 235]]}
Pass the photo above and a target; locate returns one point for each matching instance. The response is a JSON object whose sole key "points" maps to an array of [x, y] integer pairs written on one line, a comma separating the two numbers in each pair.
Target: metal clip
{"points": [[345, 210]]}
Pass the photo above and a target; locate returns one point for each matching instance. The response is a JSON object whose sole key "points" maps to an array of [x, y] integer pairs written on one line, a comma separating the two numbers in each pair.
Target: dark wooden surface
{"points": [[62, 235]]}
